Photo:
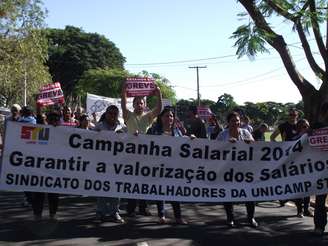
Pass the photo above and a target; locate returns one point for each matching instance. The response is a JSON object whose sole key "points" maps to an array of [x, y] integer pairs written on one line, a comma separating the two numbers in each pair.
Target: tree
{"points": [[23, 51], [182, 107], [164, 84], [103, 82], [305, 15], [108, 82], [225, 104], [73, 52]]}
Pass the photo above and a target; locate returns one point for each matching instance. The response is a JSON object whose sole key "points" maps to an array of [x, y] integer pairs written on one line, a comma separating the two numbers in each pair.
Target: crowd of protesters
{"points": [[160, 121]]}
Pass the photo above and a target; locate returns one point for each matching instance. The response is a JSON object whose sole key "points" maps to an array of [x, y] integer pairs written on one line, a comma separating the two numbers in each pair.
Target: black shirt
{"points": [[258, 135], [288, 131], [197, 127]]}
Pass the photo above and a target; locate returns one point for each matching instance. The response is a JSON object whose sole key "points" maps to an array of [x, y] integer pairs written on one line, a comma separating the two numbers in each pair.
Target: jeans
{"points": [[38, 201], [176, 209], [302, 204], [320, 213], [250, 207], [132, 204]]}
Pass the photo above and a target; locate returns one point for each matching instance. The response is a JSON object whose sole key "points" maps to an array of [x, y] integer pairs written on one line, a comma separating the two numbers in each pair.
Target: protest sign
{"points": [[166, 103], [98, 104], [204, 112], [76, 161], [50, 94], [319, 138], [139, 87]]}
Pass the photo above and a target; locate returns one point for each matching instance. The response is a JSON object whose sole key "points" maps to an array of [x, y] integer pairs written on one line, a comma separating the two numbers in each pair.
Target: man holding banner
{"points": [[139, 121]]}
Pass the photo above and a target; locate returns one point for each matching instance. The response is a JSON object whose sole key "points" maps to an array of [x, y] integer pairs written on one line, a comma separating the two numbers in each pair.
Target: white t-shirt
{"points": [[243, 134]]}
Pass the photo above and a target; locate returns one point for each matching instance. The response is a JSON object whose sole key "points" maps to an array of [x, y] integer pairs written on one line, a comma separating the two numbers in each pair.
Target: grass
{"points": [[268, 134]]}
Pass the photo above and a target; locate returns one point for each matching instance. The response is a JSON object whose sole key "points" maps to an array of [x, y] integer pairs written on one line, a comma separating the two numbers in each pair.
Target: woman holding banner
{"points": [[53, 118], [302, 204], [233, 134], [165, 126], [109, 205]]}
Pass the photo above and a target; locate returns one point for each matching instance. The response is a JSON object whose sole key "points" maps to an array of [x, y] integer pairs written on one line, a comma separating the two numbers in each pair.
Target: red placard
{"points": [[140, 87], [319, 139], [204, 112], [51, 94]]}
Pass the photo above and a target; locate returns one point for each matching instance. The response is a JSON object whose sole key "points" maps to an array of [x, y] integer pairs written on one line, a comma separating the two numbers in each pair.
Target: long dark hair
{"points": [[166, 109]]}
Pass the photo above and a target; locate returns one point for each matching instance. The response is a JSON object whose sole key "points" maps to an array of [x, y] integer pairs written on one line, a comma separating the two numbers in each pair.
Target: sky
{"points": [[169, 36]]}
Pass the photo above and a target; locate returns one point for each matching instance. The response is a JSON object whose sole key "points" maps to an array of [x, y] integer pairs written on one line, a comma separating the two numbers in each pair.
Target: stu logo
{"points": [[35, 134]]}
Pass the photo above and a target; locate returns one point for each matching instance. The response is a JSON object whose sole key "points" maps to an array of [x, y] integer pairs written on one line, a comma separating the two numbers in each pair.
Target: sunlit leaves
{"points": [[249, 41], [23, 50]]}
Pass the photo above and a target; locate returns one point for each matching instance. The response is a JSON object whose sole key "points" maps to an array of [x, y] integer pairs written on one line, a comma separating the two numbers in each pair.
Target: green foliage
{"points": [[250, 40], [108, 82], [103, 82], [182, 107], [164, 85], [23, 50], [306, 17], [225, 104], [73, 52]]}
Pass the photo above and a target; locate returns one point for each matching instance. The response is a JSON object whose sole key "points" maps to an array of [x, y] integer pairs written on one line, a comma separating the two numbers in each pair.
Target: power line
{"points": [[182, 61], [251, 78], [200, 59]]}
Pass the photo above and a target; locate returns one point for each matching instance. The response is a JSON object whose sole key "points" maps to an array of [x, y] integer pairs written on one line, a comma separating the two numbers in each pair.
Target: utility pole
{"points": [[25, 86], [197, 71]]}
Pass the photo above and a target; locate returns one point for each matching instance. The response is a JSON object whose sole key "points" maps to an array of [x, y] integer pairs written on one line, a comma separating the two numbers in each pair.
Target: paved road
{"points": [[77, 226]]}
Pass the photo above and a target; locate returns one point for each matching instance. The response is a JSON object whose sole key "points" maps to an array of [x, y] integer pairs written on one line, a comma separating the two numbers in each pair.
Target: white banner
{"points": [[76, 161], [98, 104]]}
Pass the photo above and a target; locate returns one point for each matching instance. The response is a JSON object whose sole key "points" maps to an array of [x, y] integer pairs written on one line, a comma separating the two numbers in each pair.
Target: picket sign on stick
{"points": [[204, 112], [139, 87], [43, 158], [50, 94]]}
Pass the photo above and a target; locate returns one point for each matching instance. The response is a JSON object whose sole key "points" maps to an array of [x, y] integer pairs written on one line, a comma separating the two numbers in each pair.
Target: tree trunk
{"points": [[312, 103]]}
